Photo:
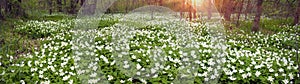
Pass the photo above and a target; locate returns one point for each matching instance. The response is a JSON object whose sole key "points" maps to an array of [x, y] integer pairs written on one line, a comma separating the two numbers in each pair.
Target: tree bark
{"points": [[59, 5], [296, 16], [65, 2], [50, 6], [182, 9], [228, 9], [74, 6], [247, 9], [255, 26], [2, 6], [81, 2], [240, 11], [1, 16], [160, 2], [20, 10], [209, 9]]}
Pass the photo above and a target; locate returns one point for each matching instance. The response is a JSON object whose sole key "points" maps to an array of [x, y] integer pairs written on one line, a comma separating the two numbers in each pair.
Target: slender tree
{"points": [[182, 2], [161, 2], [2, 6], [227, 5], [59, 5], [297, 13], [73, 4], [255, 26], [247, 9], [50, 6], [20, 10], [241, 6], [1, 16], [81, 2], [209, 9]]}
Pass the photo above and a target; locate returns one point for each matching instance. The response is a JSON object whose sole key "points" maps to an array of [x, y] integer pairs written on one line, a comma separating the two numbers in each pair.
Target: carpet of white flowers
{"points": [[149, 54]]}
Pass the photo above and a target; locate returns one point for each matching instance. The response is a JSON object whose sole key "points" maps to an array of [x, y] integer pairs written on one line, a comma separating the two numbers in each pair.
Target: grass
{"points": [[14, 43], [267, 26]]}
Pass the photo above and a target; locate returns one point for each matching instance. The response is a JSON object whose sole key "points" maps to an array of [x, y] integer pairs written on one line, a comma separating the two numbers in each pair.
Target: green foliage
{"points": [[268, 51], [37, 29], [107, 22]]}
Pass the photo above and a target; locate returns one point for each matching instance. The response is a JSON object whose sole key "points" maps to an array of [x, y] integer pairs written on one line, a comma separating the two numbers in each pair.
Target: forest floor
{"points": [[61, 49]]}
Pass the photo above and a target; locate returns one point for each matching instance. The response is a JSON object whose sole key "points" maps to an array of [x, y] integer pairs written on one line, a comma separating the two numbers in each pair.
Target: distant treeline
{"points": [[231, 10]]}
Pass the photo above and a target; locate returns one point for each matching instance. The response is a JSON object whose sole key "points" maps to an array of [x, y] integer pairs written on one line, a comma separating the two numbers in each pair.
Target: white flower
{"points": [[22, 81], [204, 74], [244, 76], [70, 82], [41, 72], [241, 62], [291, 76], [241, 71], [281, 70], [289, 67], [122, 81], [92, 81], [138, 73], [29, 63], [212, 77], [95, 68], [270, 78], [153, 70], [232, 78], [138, 66], [66, 77], [33, 69], [285, 81], [206, 79], [209, 69], [248, 69], [271, 70], [93, 75], [133, 57], [276, 74], [283, 74], [210, 62], [130, 79], [253, 62], [110, 77], [45, 82], [126, 66], [257, 73], [144, 81]]}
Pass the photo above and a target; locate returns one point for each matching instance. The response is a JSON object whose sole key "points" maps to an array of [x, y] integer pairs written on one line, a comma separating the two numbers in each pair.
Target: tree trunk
{"points": [[160, 2], [209, 9], [59, 5], [247, 9], [228, 9], [127, 7], [190, 12], [296, 16], [73, 6], [50, 6], [182, 9], [2, 6], [81, 2], [240, 11], [20, 10], [255, 27], [65, 2], [1, 16]]}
